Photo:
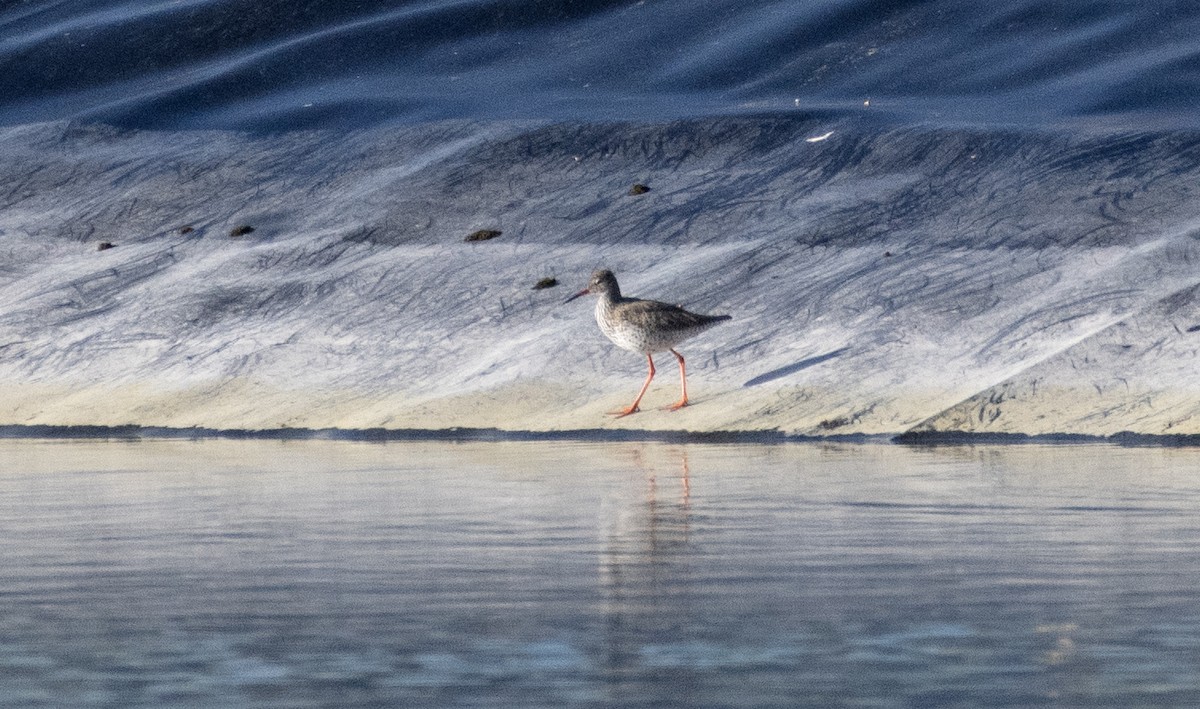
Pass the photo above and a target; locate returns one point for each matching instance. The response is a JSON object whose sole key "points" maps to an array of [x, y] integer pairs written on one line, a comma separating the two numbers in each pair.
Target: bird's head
{"points": [[603, 283]]}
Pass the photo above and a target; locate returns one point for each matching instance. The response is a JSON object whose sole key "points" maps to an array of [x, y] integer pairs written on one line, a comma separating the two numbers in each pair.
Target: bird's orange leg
{"points": [[683, 401], [632, 408]]}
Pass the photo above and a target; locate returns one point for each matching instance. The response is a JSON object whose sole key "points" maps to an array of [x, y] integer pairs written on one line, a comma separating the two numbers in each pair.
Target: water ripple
{"points": [[273, 65]]}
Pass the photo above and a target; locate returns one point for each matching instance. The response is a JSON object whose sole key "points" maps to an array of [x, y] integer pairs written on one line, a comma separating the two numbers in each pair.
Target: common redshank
{"points": [[645, 327]]}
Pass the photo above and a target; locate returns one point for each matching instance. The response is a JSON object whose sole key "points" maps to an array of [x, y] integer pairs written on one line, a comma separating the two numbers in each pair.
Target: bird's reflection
{"points": [[684, 483], [647, 580]]}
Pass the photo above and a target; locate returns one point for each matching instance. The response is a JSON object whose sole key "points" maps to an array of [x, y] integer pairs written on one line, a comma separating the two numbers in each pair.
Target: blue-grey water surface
{"points": [[284, 64], [330, 574]]}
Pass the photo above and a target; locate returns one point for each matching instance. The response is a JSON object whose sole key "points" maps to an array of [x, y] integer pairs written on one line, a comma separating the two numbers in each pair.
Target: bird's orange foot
{"points": [[677, 405], [624, 412]]}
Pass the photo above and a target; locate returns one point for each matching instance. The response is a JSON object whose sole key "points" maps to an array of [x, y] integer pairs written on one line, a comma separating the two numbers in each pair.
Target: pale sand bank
{"points": [[880, 281]]}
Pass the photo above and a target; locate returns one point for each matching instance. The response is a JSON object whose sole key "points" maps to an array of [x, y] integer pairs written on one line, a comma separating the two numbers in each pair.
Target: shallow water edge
{"points": [[592, 435]]}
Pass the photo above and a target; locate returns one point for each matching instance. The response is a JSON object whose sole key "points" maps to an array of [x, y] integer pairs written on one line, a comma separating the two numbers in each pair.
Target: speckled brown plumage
{"points": [[645, 327]]}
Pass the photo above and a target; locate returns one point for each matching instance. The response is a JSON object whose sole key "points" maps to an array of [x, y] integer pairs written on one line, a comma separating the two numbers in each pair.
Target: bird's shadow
{"points": [[794, 367]]}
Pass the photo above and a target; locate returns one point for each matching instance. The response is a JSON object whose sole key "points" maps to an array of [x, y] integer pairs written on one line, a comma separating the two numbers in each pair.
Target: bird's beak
{"points": [[585, 291]]}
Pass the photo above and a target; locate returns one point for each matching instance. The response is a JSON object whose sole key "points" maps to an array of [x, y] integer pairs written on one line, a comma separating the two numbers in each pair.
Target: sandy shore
{"points": [[881, 281]]}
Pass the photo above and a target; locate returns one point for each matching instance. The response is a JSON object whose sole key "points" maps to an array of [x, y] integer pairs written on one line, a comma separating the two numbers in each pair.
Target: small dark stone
{"points": [[484, 235], [241, 230], [105, 246], [1194, 328], [887, 254], [186, 229], [545, 283], [638, 189]]}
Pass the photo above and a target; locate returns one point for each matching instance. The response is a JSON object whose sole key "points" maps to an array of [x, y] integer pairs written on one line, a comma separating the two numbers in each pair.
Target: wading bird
{"points": [[645, 327]]}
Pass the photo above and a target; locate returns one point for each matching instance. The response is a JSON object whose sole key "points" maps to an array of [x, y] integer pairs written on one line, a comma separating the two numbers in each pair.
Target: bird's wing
{"points": [[664, 315]]}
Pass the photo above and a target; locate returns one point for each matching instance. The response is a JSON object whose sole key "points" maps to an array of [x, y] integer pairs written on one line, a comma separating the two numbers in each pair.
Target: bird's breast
{"points": [[621, 332]]}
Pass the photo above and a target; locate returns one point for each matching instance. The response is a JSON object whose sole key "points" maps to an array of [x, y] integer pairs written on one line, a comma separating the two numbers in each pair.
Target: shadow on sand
{"points": [[794, 367]]}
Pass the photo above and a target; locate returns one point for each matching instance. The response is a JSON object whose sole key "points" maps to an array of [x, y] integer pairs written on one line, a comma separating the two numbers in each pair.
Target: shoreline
{"points": [[133, 432]]}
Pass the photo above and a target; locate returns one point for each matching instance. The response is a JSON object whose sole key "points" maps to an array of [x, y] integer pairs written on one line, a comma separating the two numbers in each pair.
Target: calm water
{"points": [[312, 574]]}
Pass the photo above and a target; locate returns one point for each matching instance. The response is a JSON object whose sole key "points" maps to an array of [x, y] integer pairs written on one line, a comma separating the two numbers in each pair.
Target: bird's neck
{"points": [[605, 304], [611, 298]]}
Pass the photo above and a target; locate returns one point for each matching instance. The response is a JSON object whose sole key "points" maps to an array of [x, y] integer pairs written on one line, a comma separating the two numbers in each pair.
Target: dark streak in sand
{"points": [[383, 435]]}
